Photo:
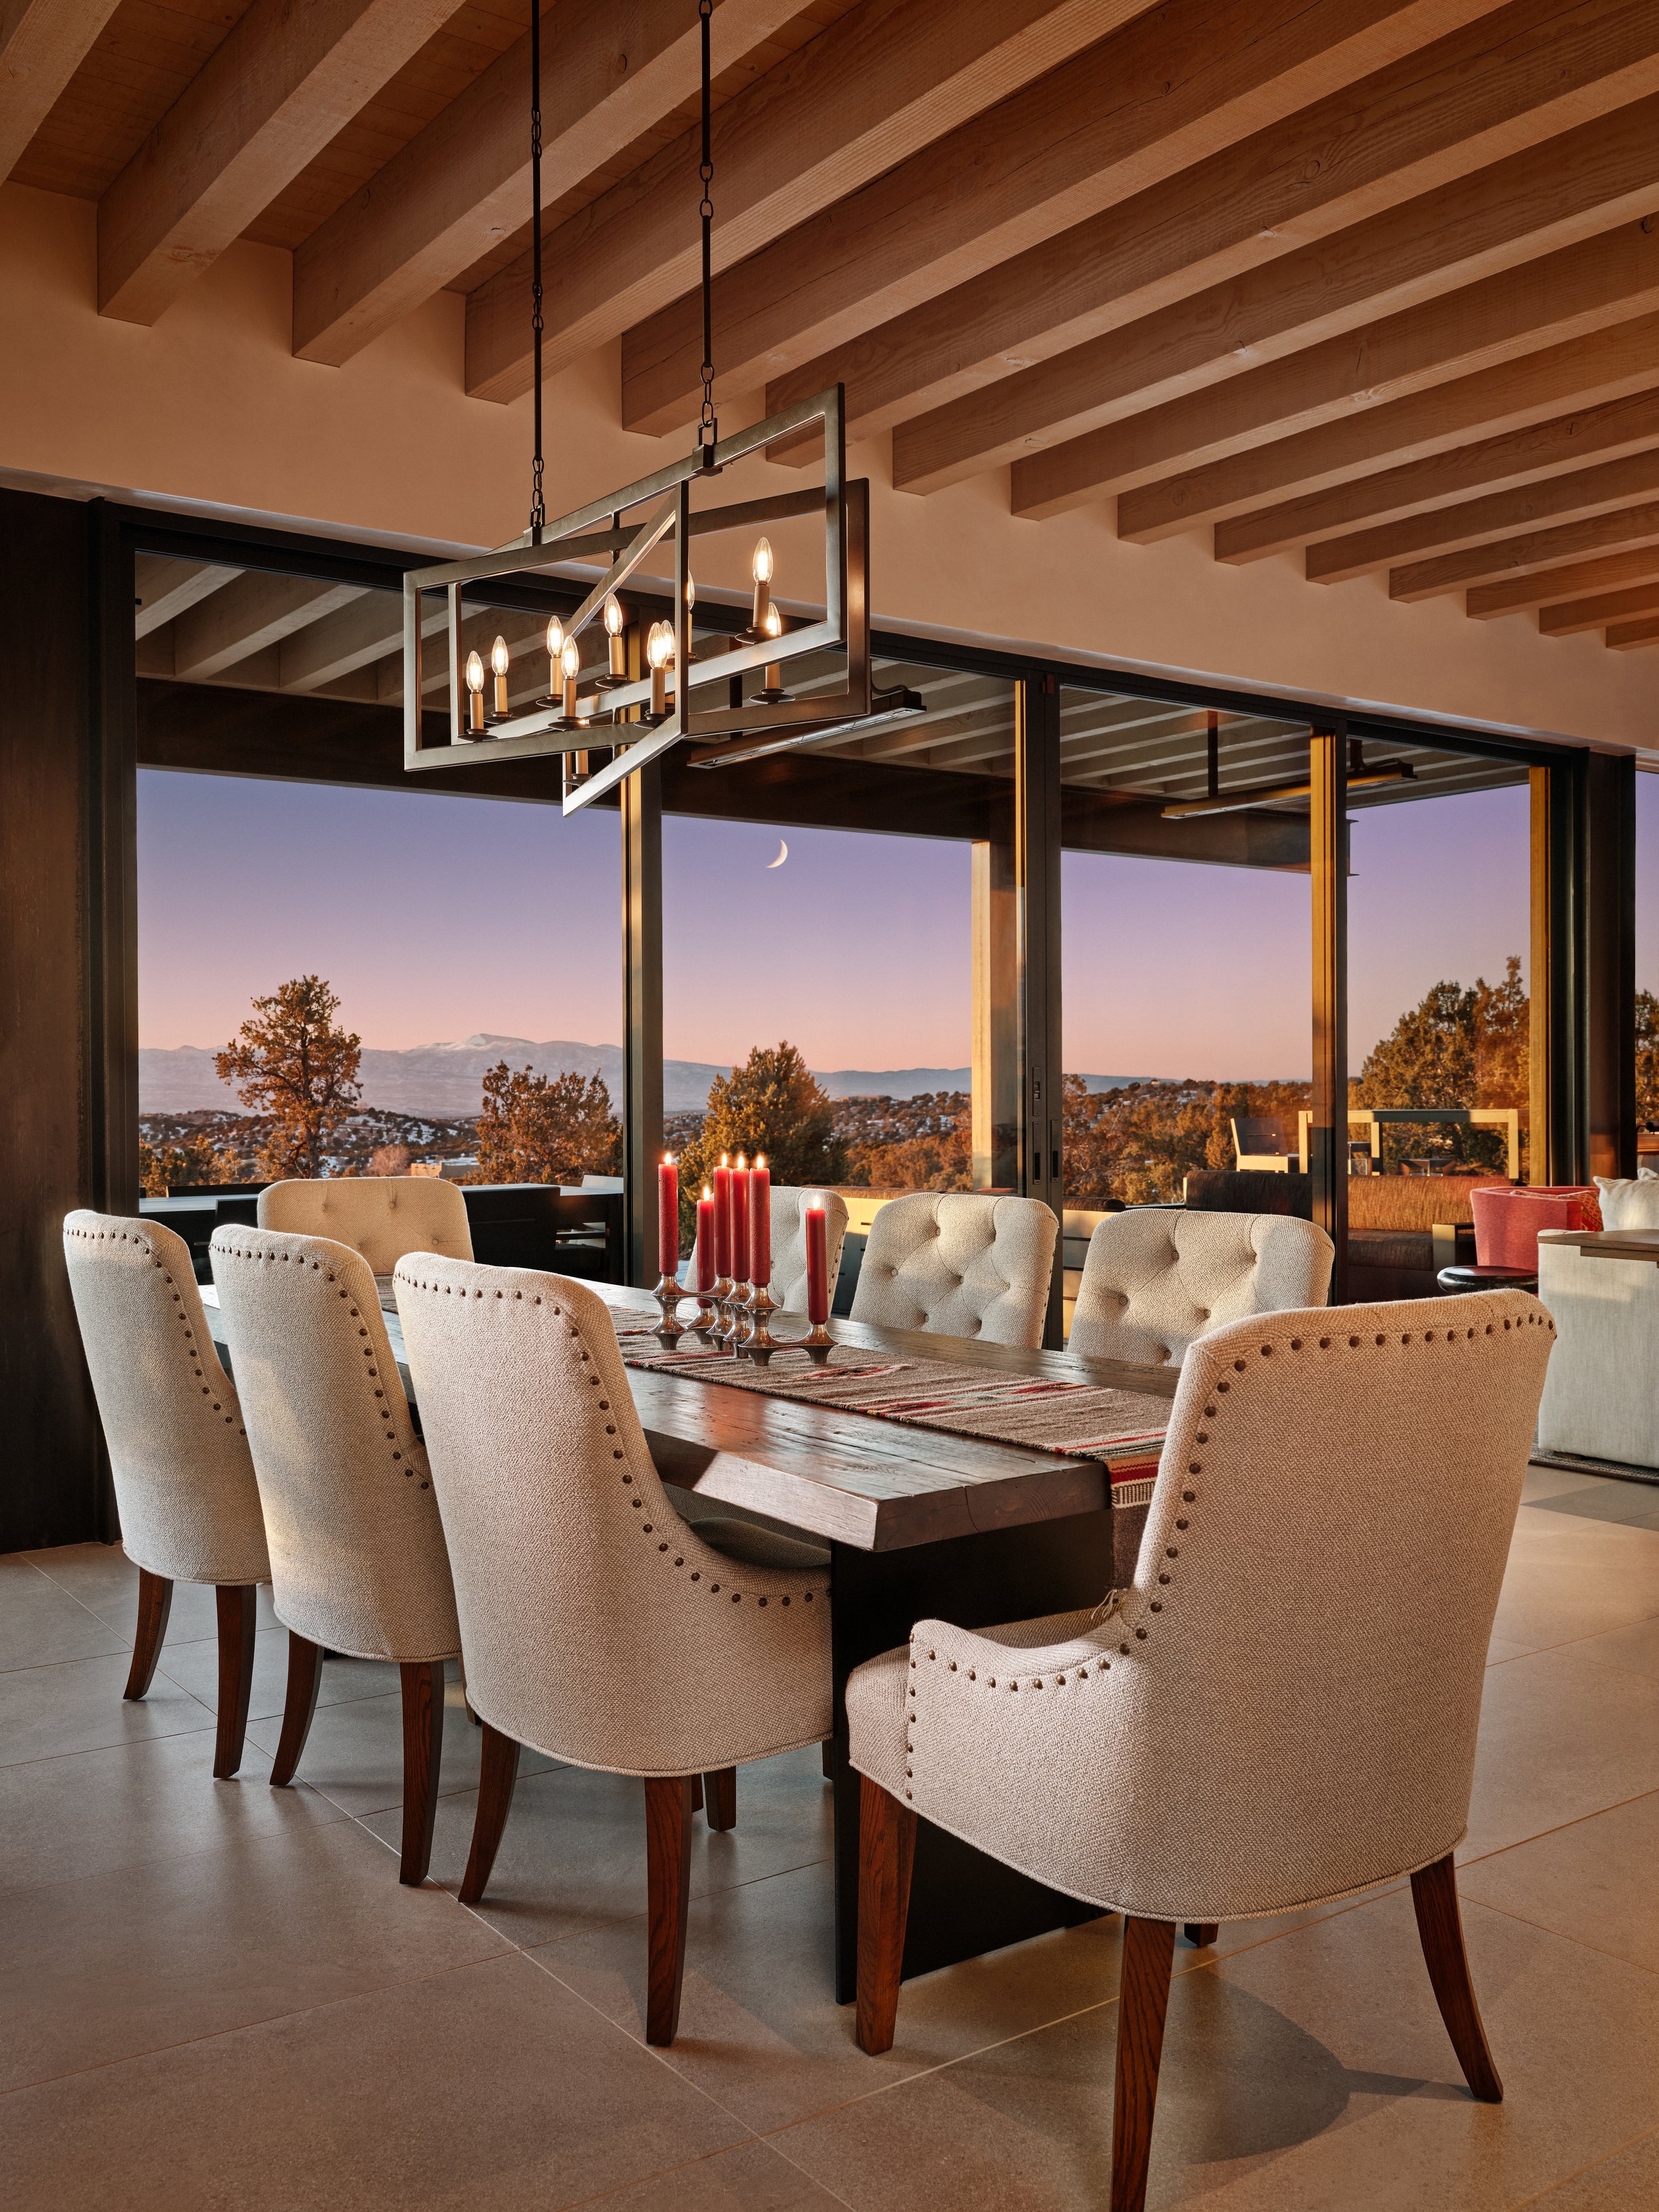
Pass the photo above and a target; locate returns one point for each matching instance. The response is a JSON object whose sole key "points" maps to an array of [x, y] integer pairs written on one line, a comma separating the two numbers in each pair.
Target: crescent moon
{"points": [[783, 853]]}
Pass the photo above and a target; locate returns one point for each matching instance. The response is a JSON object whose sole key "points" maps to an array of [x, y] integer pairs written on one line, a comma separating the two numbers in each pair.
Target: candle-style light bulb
{"points": [[613, 631], [554, 648], [660, 651], [690, 593], [761, 569], [475, 719], [773, 626], [500, 661], [570, 661]]}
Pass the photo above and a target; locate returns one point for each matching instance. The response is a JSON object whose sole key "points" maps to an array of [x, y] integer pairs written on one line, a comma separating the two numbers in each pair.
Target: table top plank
{"points": [[850, 1477]]}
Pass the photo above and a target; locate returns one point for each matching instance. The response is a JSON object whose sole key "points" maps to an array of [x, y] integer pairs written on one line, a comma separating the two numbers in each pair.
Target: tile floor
{"points": [[218, 1999]]}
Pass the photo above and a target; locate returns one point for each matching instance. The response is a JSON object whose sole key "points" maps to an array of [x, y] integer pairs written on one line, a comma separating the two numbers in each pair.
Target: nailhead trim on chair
{"points": [[125, 1236], [1541, 1319]]}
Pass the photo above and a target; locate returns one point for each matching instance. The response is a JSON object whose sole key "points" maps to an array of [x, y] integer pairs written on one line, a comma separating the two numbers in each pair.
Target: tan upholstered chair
{"points": [[183, 1482], [959, 1265], [596, 1625], [789, 1207], [382, 1216], [1281, 1709], [357, 1560], [1155, 1277]]}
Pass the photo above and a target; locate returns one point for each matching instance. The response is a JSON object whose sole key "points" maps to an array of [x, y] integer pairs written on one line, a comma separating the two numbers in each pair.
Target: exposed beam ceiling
{"points": [[1526, 564], [287, 79], [164, 589], [247, 617], [1621, 636], [1598, 610], [42, 43], [611, 69]]}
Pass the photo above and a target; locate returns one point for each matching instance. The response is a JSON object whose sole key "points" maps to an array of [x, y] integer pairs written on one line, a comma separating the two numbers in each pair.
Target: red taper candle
{"points": [[668, 1216], [706, 1241], [818, 1264], [723, 1218], [737, 1235], [759, 1221]]}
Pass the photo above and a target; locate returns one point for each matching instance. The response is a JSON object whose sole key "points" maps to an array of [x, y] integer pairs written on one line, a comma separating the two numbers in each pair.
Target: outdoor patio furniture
{"points": [[1402, 1230], [960, 1265], [596, 1625], [1245, 1730], [1154, 1281], [357, 1560], [1259, 1144], [382, 1216], [179, 1459]]}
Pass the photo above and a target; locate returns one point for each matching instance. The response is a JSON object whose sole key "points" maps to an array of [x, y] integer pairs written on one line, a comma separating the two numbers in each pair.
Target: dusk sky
{"points": [[436, 918]]}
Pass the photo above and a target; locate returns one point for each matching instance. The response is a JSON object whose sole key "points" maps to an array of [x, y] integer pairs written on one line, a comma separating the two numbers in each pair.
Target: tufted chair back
{"points": [[789, 1242], [959, 1265], [595, 1624], [357, 1560], [382, 1216], [184, 1481], [1282, 1708], [1153, 1280]]}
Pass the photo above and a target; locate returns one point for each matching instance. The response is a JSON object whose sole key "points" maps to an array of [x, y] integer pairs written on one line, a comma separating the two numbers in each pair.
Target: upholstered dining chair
{"points": [[596, 1625], [382, 1216], [789, 1207], [957, 1264], [184, 1481], [357, 1560], [1256, 1724], [1155, 1278]]}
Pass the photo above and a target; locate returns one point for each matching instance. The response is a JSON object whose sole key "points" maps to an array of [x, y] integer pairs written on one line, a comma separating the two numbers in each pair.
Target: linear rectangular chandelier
{"points": [[684, 696]]}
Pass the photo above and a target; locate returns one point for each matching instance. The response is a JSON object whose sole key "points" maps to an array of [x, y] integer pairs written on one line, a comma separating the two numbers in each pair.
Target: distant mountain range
{"points": [[448, 1078]]}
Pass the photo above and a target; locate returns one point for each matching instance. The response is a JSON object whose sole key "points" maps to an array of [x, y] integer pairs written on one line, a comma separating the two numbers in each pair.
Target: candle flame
{"points": [[760, 1159], [668, 1159], [708, 1193], [742, 1164], [722, 1159]]}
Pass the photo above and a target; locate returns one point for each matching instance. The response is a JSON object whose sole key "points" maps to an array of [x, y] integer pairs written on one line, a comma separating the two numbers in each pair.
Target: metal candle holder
{"points": [[736, 1317]]}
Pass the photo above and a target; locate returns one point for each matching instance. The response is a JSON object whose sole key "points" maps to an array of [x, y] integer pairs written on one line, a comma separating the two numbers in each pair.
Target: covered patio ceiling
{"points": [[1375, 282]]}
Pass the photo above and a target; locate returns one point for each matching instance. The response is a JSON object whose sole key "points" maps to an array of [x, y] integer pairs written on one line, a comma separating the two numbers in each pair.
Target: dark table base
{"points": [[962, 1902]]}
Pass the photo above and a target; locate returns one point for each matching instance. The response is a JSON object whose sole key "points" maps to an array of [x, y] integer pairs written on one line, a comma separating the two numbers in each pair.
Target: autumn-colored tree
{"points": [[1647, 1060], [292, 1063], [192, 1161], [539, 1128], [1459, 1047], [772, 1104]]}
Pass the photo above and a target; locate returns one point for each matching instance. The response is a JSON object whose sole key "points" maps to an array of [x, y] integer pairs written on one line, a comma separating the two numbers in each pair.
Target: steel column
{"points": [[1607, 905], [1555, 1091], [1040, 1163], [641, 855], [1328, 1133], [996, 1069]]}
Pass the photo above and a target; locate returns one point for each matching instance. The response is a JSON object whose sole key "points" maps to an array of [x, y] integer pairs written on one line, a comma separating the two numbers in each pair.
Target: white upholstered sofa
{"points": [[1602, 1393]]}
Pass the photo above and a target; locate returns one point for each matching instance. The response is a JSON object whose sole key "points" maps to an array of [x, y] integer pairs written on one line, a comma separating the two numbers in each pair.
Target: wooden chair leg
{"points": [[422, 1683], [155, 1603], [1201, 1934], [1143, 2000], [668, 1889], [238, 1605], [720, 1797], [827, 1753], [305, 1678], [1440, 1925], [696, 1793], [887, 1850], [498, 1773]]}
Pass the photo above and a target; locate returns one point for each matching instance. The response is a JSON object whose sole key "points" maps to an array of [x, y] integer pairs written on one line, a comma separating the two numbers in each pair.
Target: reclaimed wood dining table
{"points": [[919, 1524]]}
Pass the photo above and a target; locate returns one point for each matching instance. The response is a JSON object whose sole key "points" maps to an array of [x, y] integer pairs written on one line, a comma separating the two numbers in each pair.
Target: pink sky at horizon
{"points": [[437, 918]]}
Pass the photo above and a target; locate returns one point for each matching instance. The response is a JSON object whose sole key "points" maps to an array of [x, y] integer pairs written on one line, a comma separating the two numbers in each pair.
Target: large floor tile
{"points": [[1570, 1578], [1560, 1738], [354, 1751], [195, 1668], [41, 1622], [1311, 2074], [752, 2178], [1635, 1648], [46, 1712], [93, 1811], [1592, 1881], [118, 1964], [487, 2090], [573, 1858], [1626, 2182], [104, 1579]]}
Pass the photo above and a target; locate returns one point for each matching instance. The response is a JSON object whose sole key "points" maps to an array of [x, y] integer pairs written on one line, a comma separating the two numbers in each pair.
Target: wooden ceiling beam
{"points": [[1622, 636], [610, 72], [1479, 100], [1412, 490], [1597, 612], [253, 613], [1568, 295], [42, 43], [286, 80], [884, 79], [1517, 394], [1580, 494], [1139, 107], [1521, 563], [164, 588], [1321, 355], [1573, 580]]}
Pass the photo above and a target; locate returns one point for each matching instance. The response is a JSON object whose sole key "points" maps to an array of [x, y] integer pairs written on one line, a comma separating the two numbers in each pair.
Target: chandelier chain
{"points": [[537, 498], [708, 428]]}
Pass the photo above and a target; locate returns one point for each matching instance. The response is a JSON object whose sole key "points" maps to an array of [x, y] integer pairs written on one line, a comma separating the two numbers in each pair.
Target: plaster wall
{"points": [[209, 407]]}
